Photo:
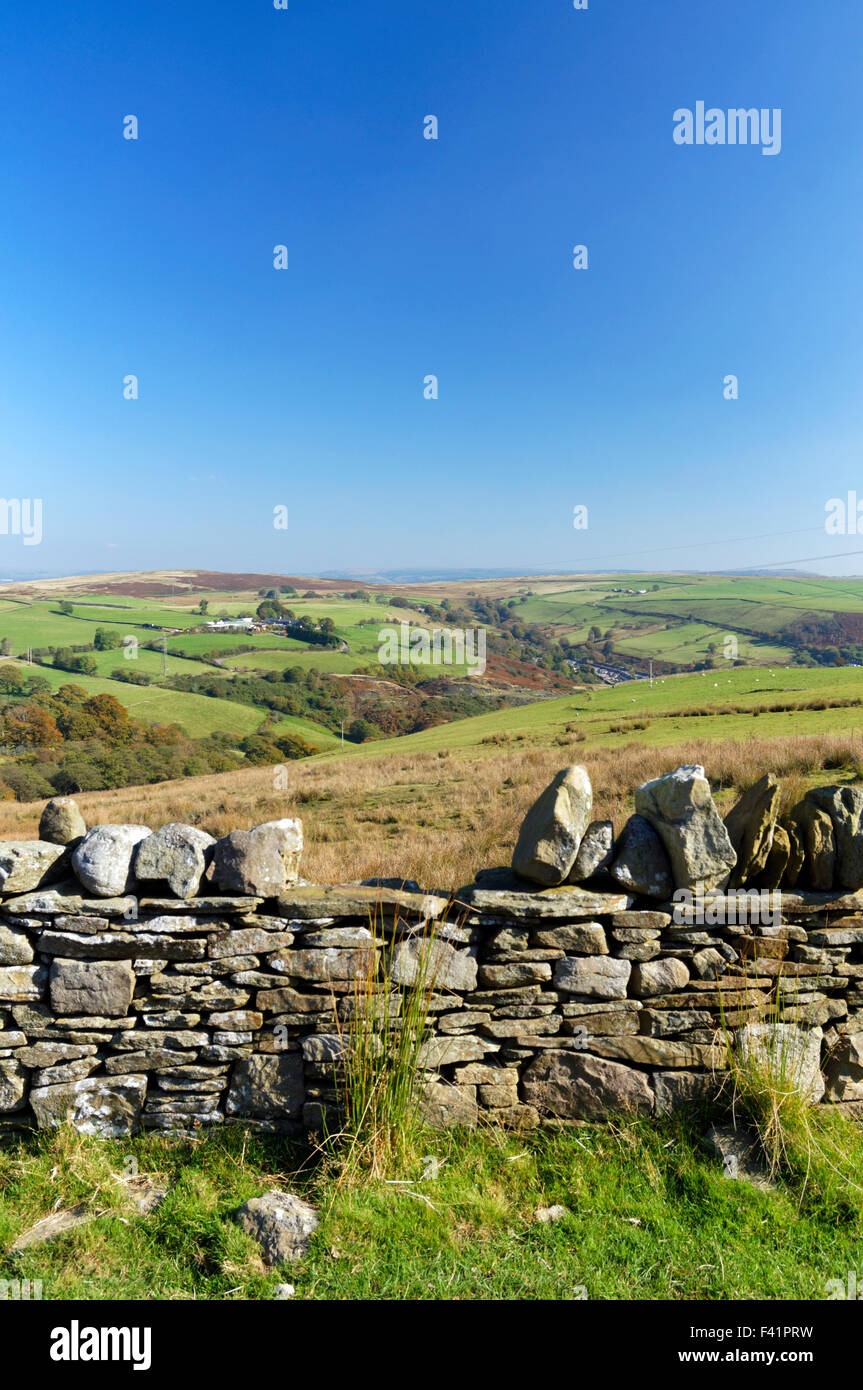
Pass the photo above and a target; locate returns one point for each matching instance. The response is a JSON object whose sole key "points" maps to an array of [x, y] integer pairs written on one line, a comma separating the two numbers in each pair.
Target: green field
{"points": [[198, 715], [594, 712]]}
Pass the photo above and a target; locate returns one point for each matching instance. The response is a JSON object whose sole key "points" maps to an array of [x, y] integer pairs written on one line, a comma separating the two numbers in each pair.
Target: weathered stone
{"points": [[510, 976], [778, 857], [598, 977], [788, 1056], [109, 1107], [796, 855], [680, 808], [29, 864], [120, 946], [267, 1085], [281, 1223], [844, 806], [661, 1052], [750, 825], [582, 938], [432, 963], [311, 902], [659, 977], [15, 948], [577, 1086], [567, 903], [844, 1069], [66, 899], [641, 863], [444, 1106], [709, 964], [175, 854], [552, 831], [595, 852], [659, 1023], [61, 822], [13, 1085], [324, 967], [19, 983], [248, 941], [103, 859], [263, 860], [91, 987], [816, 831], [676, 1089]]}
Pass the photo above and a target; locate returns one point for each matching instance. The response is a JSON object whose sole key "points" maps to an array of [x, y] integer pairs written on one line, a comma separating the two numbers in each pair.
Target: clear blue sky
{"points": [[408, 257]]}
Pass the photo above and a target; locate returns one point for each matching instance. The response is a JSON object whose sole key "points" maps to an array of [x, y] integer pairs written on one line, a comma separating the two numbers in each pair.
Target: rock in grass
{"points": [[553, 828], [281, 1223], [680, 808]]}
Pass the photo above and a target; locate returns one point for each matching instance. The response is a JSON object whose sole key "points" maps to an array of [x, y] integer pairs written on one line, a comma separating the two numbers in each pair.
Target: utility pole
{"points": [[651, 673], [164, 653], [343, 735]]}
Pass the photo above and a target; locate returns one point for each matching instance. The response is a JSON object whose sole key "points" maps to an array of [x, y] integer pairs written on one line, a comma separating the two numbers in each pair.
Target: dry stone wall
{"points": [[166, 981]]}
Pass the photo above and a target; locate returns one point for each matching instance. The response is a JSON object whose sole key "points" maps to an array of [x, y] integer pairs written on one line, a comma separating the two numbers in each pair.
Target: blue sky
{"points": [[408, 257]]}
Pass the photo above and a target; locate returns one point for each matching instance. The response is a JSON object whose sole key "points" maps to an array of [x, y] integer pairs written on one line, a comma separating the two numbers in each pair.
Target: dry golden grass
{"points": [[438, 817]]}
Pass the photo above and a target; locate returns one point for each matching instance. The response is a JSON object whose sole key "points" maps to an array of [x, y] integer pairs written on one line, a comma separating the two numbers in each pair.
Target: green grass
{"points": [[649, 1216], [199, 715]]}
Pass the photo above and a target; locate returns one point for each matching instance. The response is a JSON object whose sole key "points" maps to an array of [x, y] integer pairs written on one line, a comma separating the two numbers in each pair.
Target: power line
{"points": [[699, 545]]}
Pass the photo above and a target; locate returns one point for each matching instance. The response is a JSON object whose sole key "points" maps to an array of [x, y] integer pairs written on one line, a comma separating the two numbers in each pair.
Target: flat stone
{"points": [[15, 947], [66, 898], [661, 1052], [324, 966], [109, 1107], [267, 1085], [578, 1086], [311, 902], [560, 904], [582, 938], [248, 941], [91, 987], [599, 977]]}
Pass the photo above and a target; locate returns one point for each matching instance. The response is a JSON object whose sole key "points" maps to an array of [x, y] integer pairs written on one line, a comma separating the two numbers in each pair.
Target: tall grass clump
{"points": [[803, 1143], [381, 1071]]}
